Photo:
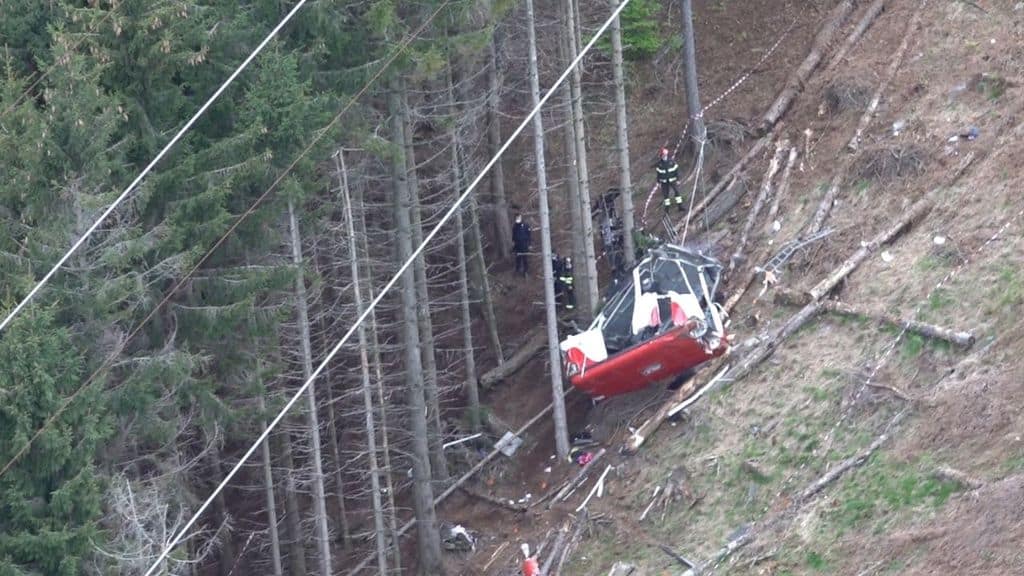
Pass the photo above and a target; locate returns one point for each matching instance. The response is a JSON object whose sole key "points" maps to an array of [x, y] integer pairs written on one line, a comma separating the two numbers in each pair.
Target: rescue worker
{"points": [[668, 176], [520, 244], [565, 279], [556, 275]]}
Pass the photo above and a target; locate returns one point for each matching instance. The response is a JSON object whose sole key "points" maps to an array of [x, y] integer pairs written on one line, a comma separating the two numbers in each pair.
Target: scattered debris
{"points": [[622, 569], [508, 444], [455, 538]]}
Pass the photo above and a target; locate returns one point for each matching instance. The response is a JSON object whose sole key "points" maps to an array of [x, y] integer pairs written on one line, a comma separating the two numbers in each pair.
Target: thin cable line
{"points": [[167, 148], [320, 134], [387, 287]]}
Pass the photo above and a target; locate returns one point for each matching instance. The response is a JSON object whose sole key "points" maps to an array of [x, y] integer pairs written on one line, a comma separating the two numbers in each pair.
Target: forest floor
{"points": [[740, 455]]}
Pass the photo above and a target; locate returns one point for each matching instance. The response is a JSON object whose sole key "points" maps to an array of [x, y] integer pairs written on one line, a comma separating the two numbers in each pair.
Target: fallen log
{"points": [[574, 540], [958, 338], [870, 15], [492, 500], [890, 73], [560, 541], [458, 483], [730, 178], [955, 476], [829, 199], [799, 78], [534, 343], [915, 213], [762, 197], [794, 153], [845, 466], [703, 378]]}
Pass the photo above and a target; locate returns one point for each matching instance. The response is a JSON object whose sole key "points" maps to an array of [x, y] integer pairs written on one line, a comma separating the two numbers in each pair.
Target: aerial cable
{"points": [[387, 287], [259, 201], [167, 148]]}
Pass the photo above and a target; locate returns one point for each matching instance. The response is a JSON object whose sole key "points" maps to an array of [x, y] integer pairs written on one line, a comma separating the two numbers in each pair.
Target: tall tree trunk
{"points": [[429, 545], [323, 541], [471, 385], [622, 133], [268, 481], [502, 222], [438, 465], [590, 255], [561, 427], [572, 189], [292, 512], [478, 268], [693, 106], [226, 552], [380, 532], [339, 463], [378, 373]]}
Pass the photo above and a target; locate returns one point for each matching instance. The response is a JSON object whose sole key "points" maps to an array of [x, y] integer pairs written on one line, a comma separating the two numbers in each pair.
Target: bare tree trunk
{"points": [[622, 133], [380, 532], [572, 190], [323, 539], [561, 427], [472, 388], [292, 512], [226, 552], [478, 268], [339, 463], [502, 222], [589, 253], [429, 545], [438, 465], [268, 480], [690, 65], [378, 373]]}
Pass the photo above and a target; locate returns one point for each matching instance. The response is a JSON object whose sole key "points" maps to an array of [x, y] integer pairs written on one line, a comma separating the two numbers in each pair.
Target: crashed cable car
{"points": [[660, 324]]}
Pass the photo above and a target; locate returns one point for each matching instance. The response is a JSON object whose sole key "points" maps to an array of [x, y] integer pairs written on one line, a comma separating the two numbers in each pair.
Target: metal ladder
{"points": [[670, 230], [790, 248]]}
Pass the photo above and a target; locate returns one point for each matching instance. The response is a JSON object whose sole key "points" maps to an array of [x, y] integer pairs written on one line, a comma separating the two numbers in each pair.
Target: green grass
{"points": [[816, 562], [884, 487]]}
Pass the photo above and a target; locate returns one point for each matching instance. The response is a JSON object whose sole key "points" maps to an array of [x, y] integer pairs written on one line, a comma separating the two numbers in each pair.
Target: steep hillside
{"points": [[919, 410]]}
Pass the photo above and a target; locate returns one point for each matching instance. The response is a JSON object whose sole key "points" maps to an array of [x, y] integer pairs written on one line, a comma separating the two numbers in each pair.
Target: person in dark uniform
{"points": [[566, 280], [520, 244], [668, 177]]}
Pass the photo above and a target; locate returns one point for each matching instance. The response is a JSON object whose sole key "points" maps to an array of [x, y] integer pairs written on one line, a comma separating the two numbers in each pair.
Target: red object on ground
{"points": [[658, 359], [530, 567]]}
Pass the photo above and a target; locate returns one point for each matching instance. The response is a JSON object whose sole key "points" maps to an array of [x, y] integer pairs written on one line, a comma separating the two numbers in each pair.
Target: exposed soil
{"points": [[808, 407]]}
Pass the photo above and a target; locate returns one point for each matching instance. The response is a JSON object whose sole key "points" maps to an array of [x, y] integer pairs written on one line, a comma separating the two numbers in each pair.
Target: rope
{"points": [[259, 201], [686, 127], [167, 148], [387, 288]]}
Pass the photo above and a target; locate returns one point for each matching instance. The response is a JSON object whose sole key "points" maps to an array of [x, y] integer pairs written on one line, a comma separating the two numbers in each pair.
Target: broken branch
{"points": [[959, 338], [533, 344], [957, 477]]}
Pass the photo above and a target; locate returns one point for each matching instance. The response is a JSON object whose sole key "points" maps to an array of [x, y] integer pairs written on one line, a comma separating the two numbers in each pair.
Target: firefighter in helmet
{"points": [[564, 282], [668, 177]]}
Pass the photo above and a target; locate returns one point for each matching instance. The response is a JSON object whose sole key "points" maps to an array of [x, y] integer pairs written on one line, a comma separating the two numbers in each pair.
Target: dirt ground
{"points": [[746, 450]]}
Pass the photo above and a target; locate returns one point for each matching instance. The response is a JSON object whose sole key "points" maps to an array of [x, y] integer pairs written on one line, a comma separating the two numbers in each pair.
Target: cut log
{"points": [[845, 466], [498, 502], [915, 213], [794, 153], [890, 73], [703, 378], [799, 78], [533, 345], [870, 15], [829, 199], [556, 550], [955, 476], [958, 338], [729, 179], [622, 569], [762, 197], [580, 523]]}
